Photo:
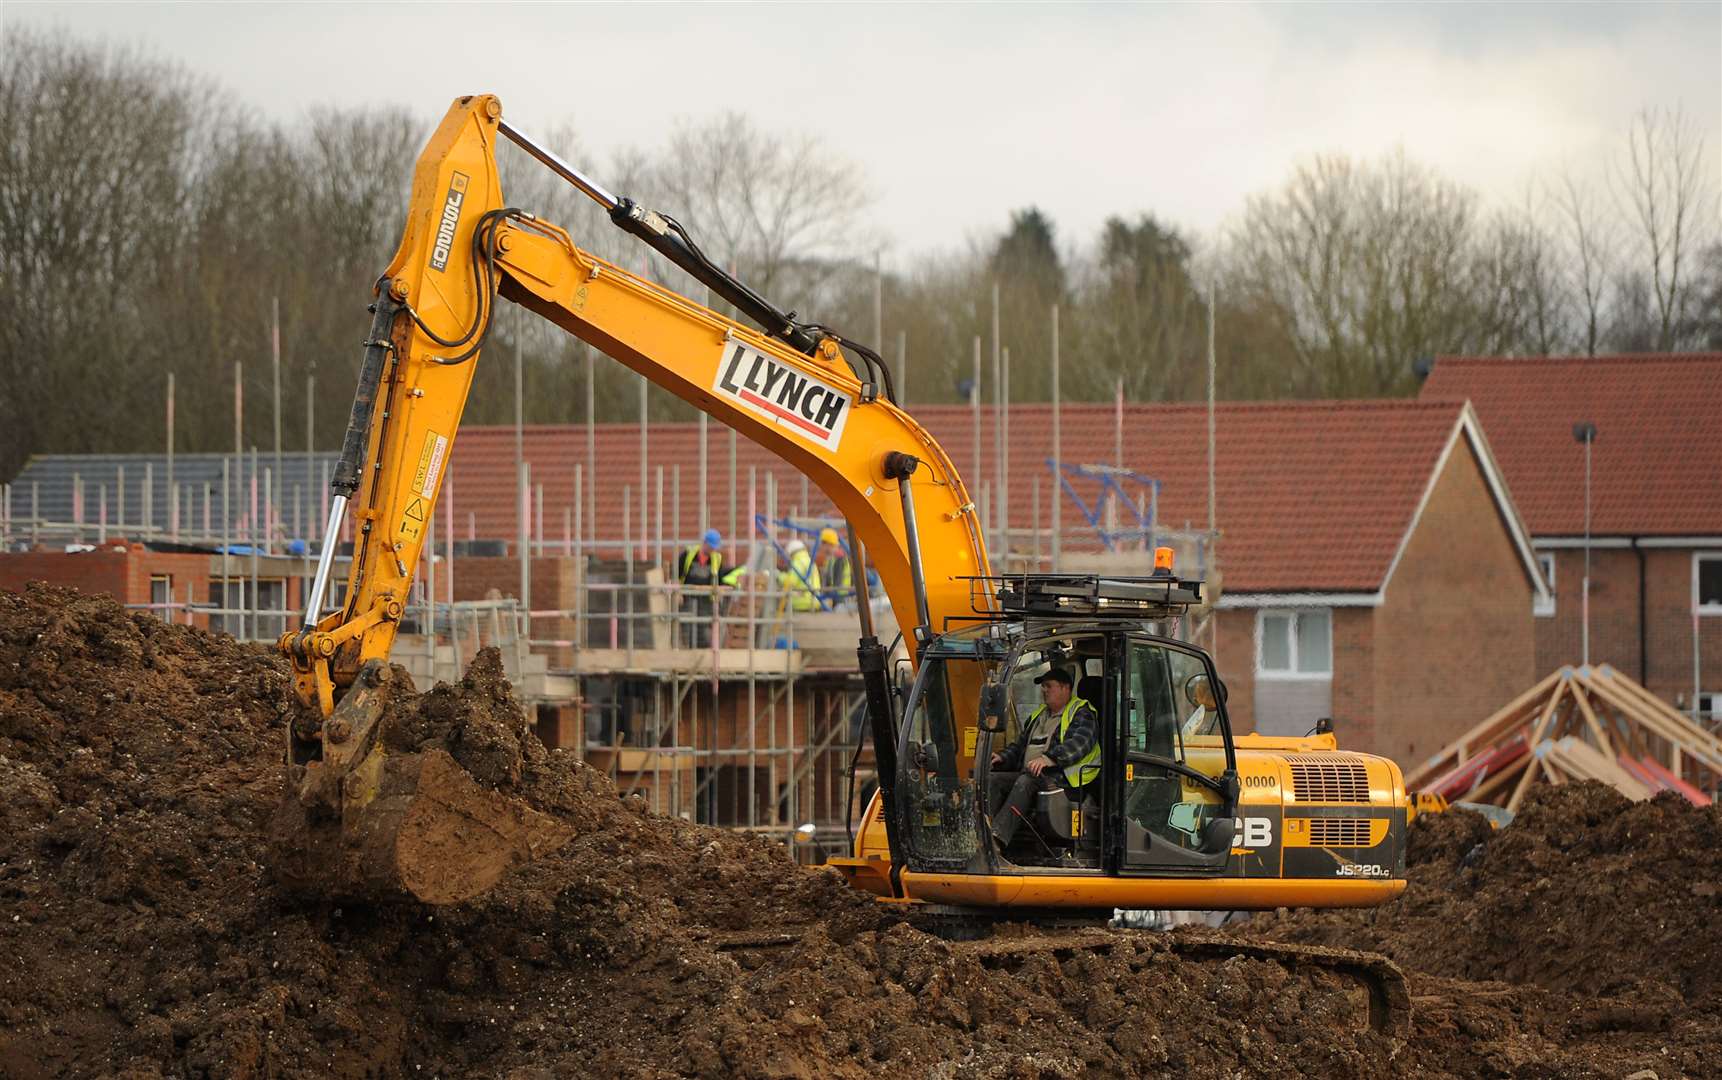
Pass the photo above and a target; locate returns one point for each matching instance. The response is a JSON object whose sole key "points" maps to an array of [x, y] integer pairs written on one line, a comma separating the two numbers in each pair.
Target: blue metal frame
{"points": [[1111, 480]]}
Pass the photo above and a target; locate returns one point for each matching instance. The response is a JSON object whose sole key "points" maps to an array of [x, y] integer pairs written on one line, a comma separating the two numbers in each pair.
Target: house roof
{"points": [[1656, 467], [49, 482], [1311, 496]]}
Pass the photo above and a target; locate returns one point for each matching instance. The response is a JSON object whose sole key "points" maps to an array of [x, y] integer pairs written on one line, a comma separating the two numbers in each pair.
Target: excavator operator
{"points": [[1065, 755]]}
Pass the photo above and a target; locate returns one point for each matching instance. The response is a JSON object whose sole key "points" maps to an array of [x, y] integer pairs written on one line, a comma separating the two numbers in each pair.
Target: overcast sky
{"points": [[958, 114]]}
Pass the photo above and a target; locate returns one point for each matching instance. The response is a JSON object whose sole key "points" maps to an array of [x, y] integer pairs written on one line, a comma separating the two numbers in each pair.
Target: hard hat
{"points": [[712, 538], [828, 536], [794, 547]]}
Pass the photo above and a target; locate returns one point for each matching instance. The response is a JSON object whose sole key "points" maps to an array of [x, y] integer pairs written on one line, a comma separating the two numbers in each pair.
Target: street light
{"points": [[1585, 432]]}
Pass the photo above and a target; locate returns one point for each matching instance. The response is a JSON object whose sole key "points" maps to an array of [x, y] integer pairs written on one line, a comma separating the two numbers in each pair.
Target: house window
{"points": [[1294, 644], [1707, 583], [1541, 605], [1709, 708], [161, 594]]}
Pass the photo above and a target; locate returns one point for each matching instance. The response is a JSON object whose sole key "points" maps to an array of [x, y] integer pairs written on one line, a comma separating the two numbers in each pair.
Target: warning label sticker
{"points": [[430, 465]]}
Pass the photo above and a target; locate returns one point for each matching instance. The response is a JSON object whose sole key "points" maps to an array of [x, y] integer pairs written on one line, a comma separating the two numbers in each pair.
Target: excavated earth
{"points": [[142, 934]]}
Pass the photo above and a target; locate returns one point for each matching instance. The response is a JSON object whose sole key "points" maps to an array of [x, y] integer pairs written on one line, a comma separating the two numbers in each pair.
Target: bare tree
{"points": [[782, 208], [1364, 267], [1590, 240], [1667, 195]]}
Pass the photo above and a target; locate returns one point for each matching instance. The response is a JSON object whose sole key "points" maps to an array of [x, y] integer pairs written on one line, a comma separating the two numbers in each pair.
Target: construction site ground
{"points": [[142, 935]]}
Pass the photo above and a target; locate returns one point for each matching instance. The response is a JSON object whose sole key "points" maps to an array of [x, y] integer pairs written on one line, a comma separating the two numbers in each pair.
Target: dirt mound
{"points": [[1585, 892], [143, 934], [142, 766]]}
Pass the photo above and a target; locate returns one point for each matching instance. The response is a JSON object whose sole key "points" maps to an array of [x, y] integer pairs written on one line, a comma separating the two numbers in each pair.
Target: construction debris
{"points": [[1580, 723], [145, 937]]}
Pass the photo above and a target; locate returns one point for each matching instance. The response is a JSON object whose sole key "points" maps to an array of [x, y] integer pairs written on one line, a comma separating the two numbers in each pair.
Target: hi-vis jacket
{"points": [[800, 582], [1076, 751]]}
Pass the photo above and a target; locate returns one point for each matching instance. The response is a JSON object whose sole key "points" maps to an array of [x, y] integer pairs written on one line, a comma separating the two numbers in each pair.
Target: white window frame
{"points": [[1714, 697], [163, 613], [1292, 674], [1541, 606], [1699, 558]]}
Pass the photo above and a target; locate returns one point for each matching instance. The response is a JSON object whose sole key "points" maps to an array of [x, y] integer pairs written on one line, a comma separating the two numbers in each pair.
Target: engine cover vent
{"points": [[1339, 832], [1318, 778]]}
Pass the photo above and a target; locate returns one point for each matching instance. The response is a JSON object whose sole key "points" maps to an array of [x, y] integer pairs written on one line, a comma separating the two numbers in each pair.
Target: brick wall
{"points": [[1354, 685], [118, 570], [1668, 602], [1235, 659], [1614, 621], [1454, 638], [555, 584], [1613, 616]]}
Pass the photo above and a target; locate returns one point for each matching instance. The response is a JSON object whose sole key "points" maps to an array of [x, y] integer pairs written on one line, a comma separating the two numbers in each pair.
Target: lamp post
{"points": [[1585, 432]]}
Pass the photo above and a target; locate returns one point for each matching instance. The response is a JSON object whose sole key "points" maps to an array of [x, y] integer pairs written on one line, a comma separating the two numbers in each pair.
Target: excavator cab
{"points": [[1182, 814], [1158, 799]]}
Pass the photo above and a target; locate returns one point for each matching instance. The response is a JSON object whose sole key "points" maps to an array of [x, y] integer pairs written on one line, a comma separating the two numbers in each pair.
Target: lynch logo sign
{"points": [[782, 395], [450, 219]]}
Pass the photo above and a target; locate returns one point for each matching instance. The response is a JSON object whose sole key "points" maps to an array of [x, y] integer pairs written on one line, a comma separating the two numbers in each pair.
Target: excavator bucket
{"points": [[373, 820]]}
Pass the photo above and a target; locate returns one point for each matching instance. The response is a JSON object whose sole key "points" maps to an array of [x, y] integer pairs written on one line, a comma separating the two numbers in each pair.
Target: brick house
{"points": [[1375, 571], [1656, 505]]}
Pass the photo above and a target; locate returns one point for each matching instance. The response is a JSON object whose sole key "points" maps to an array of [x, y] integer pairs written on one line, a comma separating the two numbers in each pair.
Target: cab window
{"points": [[1169, 701]]}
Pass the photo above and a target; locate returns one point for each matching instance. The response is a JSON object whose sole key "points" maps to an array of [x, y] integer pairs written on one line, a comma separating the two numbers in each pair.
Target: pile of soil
{"points": [[1598, 921], [1586, 891], [142, 933], [146, 936]]}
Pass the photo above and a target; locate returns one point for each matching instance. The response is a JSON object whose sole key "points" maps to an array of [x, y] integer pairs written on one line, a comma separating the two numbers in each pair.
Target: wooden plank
{"points": [[1487, 732], [1603, 742], [1487, 791], [1533, 769], [1578, 759], [1659, 714]]}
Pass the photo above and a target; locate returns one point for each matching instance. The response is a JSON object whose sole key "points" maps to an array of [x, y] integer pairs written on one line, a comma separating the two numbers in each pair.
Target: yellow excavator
{"points": [[1184, 813]]}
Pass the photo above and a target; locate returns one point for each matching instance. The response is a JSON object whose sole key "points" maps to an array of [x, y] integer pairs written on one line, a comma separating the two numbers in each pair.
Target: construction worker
{"points": [[697, 570], [836, 572], [1062, 755], [798, 577]]}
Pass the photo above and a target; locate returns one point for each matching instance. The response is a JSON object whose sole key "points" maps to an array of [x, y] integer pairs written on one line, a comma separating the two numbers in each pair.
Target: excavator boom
{"points": [[787, 386]]}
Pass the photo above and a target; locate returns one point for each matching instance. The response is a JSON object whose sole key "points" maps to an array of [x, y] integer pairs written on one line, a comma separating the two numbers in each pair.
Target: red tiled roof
{"points": [[1656, 467], [1312, 496]]}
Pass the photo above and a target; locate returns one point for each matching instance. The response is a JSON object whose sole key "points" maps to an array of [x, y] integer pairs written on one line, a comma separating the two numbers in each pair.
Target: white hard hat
{"points": [[794, 547]]}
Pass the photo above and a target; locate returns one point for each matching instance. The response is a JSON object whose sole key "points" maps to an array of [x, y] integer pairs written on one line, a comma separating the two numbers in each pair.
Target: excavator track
{"points": [[1003, 938]]}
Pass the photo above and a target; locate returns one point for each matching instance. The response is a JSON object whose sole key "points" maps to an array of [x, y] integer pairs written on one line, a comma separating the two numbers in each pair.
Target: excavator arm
{"points": [[789, 387]]}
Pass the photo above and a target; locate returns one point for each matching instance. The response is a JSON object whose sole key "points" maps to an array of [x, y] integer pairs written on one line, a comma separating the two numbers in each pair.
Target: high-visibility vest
{"points": [[801, 582], [1077, 773], [690, 559]]}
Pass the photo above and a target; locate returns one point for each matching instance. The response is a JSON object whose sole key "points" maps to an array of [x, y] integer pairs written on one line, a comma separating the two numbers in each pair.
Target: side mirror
{"points": [[1231, 787], [995, 699], [1217, 837]]}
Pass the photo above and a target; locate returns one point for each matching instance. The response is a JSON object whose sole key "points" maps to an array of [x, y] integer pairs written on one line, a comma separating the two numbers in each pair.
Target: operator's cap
{"points": [[828, 536], [1056, 674], [712, 538]]}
